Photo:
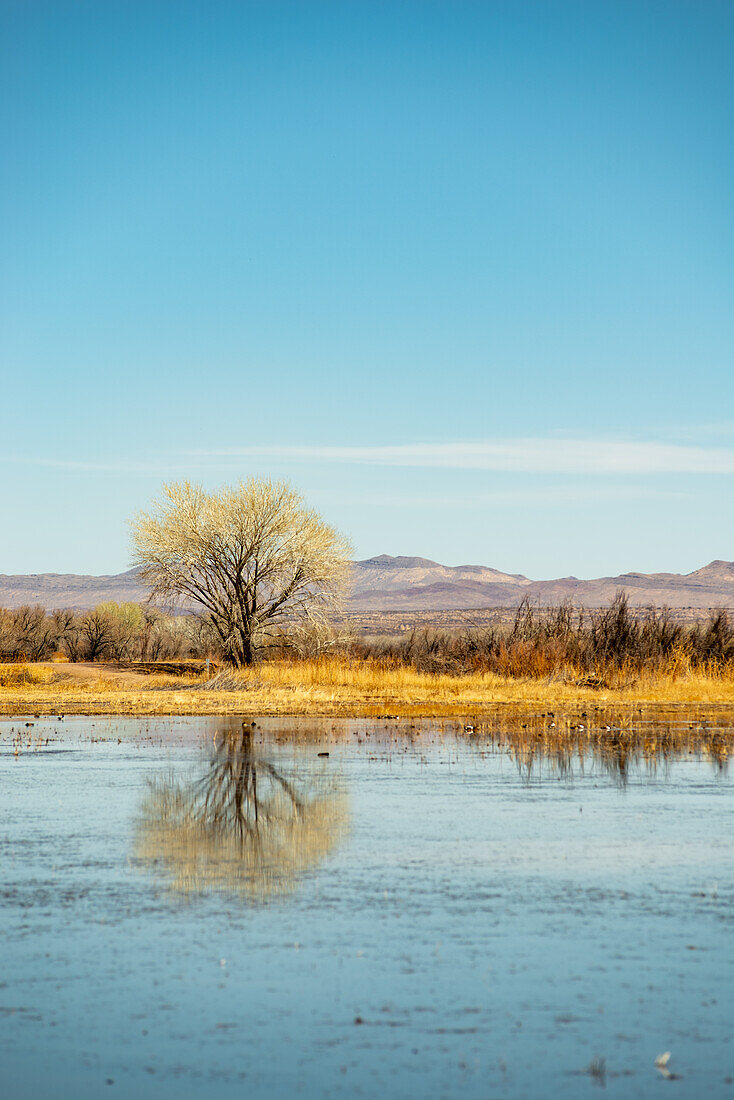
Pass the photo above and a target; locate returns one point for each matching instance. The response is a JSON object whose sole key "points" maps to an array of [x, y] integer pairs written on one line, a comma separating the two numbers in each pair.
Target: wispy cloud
{"points": [[519, 496], [564, 456], [162, 467], [532, 455]]}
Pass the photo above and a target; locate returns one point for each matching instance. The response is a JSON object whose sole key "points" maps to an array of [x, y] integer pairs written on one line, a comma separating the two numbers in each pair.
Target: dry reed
{"points": [[339, 685]]}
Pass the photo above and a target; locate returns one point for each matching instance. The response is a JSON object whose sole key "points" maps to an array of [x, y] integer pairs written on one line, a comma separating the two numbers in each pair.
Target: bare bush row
{"points": [[125, 631], [546, 641], [540, 642]]}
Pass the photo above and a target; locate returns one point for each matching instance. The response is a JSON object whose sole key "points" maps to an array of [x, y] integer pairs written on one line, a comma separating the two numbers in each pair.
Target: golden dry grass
{"points": [[335, 686], [13, 676]]}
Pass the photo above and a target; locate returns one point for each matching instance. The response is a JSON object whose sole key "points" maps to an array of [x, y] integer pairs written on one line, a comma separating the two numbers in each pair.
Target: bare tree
{"points": [[7, 634], [252, 556], [34, 633], [126, 622], [98, 632], [69, 631]]}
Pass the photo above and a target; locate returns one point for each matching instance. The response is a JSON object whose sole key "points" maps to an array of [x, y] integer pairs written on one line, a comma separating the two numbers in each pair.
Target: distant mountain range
{"points": [[417, 584], [388, 583]]}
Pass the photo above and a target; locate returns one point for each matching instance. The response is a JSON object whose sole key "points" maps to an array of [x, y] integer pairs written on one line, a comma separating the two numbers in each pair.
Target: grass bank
{"points": [[350, 687]]}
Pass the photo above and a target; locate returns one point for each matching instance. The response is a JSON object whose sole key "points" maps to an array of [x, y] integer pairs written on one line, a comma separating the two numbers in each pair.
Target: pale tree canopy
{"points": [[252, 557]]}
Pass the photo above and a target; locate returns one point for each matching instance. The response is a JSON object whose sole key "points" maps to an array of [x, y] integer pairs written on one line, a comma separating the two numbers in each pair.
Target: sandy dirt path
{"points": [[92, 670]]}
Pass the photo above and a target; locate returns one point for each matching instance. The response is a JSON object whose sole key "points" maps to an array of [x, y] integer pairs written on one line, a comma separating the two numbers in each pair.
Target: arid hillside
{"points": [[72, 590], [387, 583], [417, 584]]}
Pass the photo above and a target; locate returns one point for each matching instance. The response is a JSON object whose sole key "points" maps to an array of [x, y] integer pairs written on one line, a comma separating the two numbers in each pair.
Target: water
{"points": [[437, 922]]}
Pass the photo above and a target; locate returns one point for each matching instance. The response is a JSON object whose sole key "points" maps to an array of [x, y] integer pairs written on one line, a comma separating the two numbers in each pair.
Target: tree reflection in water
{"points": [[247, 825], [632, 747]]}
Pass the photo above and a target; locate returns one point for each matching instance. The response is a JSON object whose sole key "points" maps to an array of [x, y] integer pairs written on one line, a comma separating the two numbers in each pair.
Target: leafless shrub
{"points": [[562, 642]]}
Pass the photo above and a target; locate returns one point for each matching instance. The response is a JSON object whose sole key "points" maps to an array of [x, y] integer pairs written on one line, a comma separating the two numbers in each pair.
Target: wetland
{"points": [[352, 907]]}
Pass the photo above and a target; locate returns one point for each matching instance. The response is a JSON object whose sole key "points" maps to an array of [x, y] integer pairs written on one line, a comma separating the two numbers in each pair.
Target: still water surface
{"points": [[417, 914]]}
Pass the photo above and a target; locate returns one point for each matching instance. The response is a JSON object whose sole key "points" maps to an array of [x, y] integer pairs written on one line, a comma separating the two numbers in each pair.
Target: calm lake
{"points": [[187, 910]]}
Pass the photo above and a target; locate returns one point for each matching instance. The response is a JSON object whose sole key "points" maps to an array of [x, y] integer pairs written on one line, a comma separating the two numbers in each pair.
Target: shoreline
{"points": [[246, 705], [337, 689]]}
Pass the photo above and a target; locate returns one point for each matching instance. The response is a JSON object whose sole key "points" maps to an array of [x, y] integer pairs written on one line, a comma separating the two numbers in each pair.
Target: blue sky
{"points": [[462, 271]]}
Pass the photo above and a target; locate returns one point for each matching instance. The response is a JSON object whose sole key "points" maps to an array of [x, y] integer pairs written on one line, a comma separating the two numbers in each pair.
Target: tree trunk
{"points": [[240, 651]]}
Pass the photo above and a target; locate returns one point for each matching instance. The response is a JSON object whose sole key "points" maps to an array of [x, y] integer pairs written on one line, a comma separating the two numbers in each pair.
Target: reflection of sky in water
{"points": [[493, 933]]}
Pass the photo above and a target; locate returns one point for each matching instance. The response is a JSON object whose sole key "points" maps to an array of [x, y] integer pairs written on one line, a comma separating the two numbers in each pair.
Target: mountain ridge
{"points": [[386, 582]]}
